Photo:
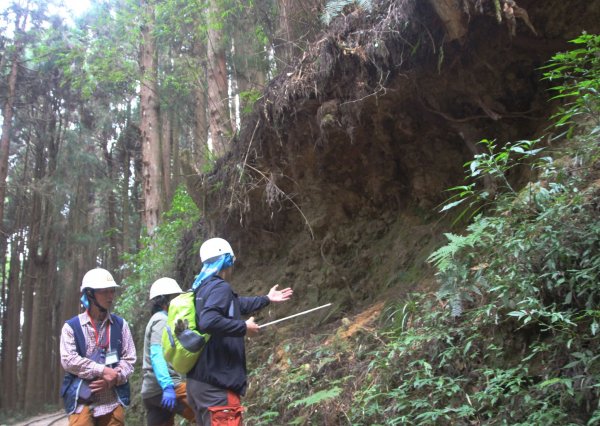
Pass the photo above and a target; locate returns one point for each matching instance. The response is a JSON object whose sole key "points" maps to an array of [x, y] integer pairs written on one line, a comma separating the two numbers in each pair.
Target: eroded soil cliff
{"points": [[334, 184]]}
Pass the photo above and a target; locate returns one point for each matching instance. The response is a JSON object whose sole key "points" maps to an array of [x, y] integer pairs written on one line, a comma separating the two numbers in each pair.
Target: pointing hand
{"points": [[280, 295]]}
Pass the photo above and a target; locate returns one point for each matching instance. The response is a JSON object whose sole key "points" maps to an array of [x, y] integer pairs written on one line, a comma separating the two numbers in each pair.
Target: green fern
{"points": [[317, 397], [443, 257]]}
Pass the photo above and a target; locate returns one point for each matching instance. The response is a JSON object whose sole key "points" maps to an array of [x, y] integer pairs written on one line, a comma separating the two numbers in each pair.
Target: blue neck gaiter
{"points": [[212, 267]]}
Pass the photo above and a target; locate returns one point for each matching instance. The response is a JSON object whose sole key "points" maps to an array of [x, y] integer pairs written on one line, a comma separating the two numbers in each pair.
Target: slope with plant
{"points": [[512, 336], [334, 196]]}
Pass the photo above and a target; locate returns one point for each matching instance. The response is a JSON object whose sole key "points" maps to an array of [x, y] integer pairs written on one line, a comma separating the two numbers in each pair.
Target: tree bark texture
{"points": [[6, 355], [77, 253], [115, 248], [200, 146], [150, 121], [8, 112], [42, 268], [218, 94], [11, 328], [175, 162], [166, 145], [33, 316], [130, 153]]}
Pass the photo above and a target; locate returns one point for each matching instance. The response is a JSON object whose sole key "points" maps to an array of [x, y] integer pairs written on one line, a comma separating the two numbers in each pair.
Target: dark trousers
{"points": [[156, 415], [210, 402]]}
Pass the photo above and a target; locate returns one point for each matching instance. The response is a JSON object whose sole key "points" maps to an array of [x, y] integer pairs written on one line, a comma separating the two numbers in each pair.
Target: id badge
{"points": [[111, 358]]}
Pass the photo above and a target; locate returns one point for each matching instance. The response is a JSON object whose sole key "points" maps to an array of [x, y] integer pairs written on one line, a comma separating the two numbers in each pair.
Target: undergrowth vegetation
{"points": [[512, 337], [158, 253]]}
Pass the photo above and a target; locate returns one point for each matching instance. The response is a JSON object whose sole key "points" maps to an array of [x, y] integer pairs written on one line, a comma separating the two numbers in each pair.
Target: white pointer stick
{"points": [[295, 315]]}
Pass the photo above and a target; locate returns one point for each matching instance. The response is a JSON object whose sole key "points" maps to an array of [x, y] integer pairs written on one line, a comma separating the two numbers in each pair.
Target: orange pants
{"points": [[85, 418], [181, 395]]}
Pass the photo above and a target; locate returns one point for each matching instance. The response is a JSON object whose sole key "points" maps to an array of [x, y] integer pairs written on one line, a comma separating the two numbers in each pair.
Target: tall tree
{"points": [[11, 336], [110, 118], [42, 258], [129, 149], [11, 327], [201, 149], [8, 108], [66, 113], [150, 119], [250, 62], [167, 119], [218, 93], [8, 294]]}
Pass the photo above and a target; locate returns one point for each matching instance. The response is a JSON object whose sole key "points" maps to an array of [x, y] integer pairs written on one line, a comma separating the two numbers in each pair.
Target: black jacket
{"points": [[222, 363]]}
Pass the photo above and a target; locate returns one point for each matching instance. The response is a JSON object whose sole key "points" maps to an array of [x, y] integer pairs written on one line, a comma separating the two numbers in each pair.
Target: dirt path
{"points": [[58, 418]]}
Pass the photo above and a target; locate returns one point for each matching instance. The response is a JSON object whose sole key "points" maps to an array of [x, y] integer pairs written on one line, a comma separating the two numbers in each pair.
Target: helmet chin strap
{"points": [[92, 297]]}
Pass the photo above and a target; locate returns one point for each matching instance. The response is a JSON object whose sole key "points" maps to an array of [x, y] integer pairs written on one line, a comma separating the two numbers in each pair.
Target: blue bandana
{"points": [[212, 267]]}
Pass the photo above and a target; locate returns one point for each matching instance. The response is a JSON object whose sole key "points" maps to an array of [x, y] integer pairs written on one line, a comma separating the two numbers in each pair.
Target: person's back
{"points": [[218, 380], [163, 389], [222, 363], [154, 328]]}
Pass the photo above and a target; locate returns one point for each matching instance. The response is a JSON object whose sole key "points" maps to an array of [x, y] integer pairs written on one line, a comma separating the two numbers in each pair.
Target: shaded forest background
{"points": [[318, 137]]}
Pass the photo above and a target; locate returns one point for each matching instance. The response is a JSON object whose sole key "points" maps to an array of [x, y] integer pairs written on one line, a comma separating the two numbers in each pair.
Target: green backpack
{"points": [[182, 349]]}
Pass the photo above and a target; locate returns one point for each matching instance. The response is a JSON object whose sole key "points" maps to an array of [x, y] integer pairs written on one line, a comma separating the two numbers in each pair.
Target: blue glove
{"points": [[168, 398]]}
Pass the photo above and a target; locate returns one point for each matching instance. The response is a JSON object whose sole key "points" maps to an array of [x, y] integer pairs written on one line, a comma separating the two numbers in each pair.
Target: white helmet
{"points": [[98, 278], [213, 248], [164, 286]]}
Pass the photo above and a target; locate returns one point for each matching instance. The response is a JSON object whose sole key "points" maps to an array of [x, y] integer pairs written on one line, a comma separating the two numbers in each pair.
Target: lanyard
{"points": [[96, 334]]}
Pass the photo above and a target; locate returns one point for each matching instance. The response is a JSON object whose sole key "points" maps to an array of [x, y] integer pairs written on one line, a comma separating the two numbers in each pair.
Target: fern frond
{"points": [[445, 256], [442, 258], [318, 397]]}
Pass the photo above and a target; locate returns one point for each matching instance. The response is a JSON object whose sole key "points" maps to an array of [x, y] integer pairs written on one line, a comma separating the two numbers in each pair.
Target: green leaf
{"points": [[452, 205], [317, 397]]}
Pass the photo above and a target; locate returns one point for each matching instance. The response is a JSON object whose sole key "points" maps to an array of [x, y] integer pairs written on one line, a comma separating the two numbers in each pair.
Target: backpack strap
{"points": [[116, 335]]}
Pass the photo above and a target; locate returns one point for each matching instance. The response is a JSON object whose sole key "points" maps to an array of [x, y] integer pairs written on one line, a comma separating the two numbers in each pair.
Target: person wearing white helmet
{"points": [[163, 389], [98, 354], [219, 377]]}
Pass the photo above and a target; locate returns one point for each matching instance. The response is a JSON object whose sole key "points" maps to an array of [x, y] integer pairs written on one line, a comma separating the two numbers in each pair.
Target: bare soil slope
{"points": [[333, 183]]}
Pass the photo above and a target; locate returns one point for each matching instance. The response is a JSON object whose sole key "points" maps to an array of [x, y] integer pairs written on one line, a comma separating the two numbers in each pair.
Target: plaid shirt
{"points": [[104, 402]]}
